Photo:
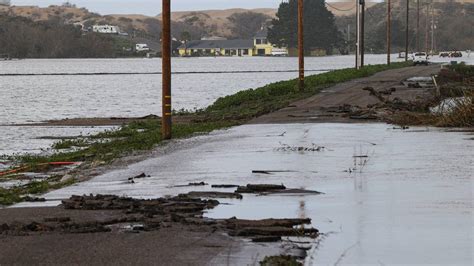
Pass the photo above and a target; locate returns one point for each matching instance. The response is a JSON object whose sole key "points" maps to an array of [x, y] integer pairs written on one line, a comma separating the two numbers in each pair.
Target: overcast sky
{"points": [[152, 7]]}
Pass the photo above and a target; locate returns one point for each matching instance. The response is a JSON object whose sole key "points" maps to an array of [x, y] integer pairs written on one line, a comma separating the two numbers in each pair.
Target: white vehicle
{"points": [[420, 58], [279, 52], [106, 29], [142, 47]]}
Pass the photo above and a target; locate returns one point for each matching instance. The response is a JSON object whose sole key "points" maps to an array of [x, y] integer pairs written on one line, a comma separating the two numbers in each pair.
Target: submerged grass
{"points": [[144, 135]]}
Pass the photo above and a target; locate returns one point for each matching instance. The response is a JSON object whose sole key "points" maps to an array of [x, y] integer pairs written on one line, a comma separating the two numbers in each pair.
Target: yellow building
{"points": [[259, 46], [217, 48]]}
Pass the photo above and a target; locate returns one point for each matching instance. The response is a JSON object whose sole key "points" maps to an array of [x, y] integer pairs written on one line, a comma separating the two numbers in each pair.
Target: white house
{"points": [[108, 29]]}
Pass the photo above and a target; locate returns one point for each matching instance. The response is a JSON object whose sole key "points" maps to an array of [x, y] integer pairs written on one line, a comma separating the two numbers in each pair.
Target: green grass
{"points": [[145, 135], [248, 104], [16, 194], [280, 261]]}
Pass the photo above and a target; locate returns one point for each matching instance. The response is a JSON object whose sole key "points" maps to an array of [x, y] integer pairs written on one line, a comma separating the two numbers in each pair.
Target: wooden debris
{"points": [[213, 194], [258, 188], [224, 186]]}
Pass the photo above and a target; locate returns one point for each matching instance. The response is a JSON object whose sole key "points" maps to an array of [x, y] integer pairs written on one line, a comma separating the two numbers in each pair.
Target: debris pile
{"points": [[312, 148], [269, 230]]}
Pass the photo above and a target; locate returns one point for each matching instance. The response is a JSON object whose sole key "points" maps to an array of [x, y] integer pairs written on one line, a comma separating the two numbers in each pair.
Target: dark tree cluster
{"points": [[320, 29], [245, 25], [23, 38]]}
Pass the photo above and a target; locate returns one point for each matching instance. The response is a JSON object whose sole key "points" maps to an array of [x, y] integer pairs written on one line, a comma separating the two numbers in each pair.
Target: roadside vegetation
{"points": [[141, 136], [453, 107]]}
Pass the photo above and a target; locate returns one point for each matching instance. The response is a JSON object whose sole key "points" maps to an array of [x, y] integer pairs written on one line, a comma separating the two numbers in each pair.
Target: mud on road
{"points": [[353, 102], [113, 230]]}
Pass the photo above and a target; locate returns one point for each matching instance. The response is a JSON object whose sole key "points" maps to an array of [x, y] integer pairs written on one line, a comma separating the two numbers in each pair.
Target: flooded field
{"points": [[38, 98], [386, 191], [27, 99], [35, 140]]}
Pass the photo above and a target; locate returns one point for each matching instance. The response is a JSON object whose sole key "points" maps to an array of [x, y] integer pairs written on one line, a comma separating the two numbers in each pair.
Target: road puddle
{"points": [[386, 191]]}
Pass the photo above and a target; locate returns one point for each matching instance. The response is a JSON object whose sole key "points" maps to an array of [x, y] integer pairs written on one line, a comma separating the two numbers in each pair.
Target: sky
{"points": [[152, 7]]}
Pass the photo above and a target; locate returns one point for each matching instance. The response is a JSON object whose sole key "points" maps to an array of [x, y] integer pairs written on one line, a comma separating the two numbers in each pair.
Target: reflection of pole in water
{"points": [[302, 211]]}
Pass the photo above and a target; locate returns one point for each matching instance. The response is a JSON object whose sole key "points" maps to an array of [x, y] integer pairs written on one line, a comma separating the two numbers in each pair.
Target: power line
{"points": [[342, 10]]}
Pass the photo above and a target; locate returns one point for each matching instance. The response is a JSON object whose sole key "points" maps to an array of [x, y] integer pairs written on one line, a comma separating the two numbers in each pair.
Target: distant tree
{"points": [[454, 30], [24, 38], [246, 25], [185, 38], [319, 26]]}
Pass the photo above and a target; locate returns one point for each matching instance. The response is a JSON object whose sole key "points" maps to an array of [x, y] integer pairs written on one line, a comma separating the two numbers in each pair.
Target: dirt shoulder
{"points": [[335, 103], [113, 230], [176, 245]]}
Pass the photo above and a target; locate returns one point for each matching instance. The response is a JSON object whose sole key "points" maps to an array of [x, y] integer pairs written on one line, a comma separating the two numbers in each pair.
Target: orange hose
{"points": [[22, 168]]}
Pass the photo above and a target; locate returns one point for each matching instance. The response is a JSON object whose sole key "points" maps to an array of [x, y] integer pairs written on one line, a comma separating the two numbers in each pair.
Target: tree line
{"points": [[22, 38]]}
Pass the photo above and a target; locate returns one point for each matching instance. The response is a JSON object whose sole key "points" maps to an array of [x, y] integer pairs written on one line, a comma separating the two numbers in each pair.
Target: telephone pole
{"points": [[357, 53], [362, 33], [300, 44], [433, 27], [426, 28], [389, 30], [406, 30], [418, 25], [166, 70]]}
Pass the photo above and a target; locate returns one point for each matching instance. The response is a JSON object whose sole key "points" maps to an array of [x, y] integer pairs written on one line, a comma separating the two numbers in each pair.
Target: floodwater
{"points": [[39, 98], [391, 196], [39, 139], [28, 99]]}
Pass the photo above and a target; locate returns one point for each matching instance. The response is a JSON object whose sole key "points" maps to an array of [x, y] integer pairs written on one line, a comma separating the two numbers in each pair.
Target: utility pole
{"points": [[433, 27], [426, 28], [362, 33], [389, 30], [166, 70], [418, 25], [348, 38], [406, 30], [300, 44], [357, 54]]}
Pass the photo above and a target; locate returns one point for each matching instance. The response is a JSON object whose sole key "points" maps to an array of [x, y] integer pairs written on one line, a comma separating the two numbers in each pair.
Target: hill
{"points": [[198, 23]]}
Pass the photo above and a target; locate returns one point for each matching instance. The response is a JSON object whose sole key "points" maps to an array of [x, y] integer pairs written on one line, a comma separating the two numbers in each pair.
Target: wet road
{"points": [[391, 196]]}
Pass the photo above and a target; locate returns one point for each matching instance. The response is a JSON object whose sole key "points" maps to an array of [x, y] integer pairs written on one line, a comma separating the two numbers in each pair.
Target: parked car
{"points": [[420, 58]]}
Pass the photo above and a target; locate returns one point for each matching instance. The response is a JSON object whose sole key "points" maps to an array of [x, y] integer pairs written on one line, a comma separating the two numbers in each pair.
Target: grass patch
{"points": [[16, 194], [137, 136], [280, 261], [248, 104]]}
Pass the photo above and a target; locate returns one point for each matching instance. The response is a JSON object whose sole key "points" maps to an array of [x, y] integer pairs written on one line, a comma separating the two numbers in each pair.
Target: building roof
{"points": [[219, 44], [263, 33]]}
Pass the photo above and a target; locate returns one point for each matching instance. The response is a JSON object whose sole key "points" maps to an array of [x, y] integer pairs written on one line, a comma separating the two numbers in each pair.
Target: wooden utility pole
{"points": [[407, 27], [418, 25], [433, 28], [362, 32], [389, 30], [166, 70], [357, 53], [301, 44], [426, 28]]}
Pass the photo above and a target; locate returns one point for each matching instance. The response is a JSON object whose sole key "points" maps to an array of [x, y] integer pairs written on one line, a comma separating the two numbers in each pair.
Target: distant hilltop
{"points": [[213, 22], [198, 23]]}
